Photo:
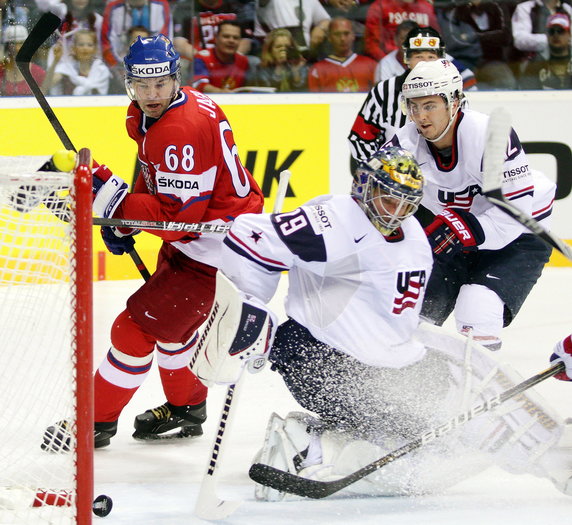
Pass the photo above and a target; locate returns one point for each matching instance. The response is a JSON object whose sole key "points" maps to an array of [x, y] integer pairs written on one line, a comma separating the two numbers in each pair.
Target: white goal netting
{"points": [[38, 352]]}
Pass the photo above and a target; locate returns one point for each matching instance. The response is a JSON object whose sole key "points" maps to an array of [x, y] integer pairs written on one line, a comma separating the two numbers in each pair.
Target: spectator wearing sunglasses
{"points": [[555, 72]]}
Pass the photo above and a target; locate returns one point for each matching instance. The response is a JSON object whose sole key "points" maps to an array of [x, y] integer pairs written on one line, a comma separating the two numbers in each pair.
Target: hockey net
{"points": [[46, 342]]}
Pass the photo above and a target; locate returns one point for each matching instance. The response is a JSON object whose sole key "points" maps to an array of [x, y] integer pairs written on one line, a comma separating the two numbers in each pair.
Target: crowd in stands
{"points": [[290, 45]]}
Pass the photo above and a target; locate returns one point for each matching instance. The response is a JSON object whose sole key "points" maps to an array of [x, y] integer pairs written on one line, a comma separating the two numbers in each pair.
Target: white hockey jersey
{"points": [[459, 184], [351, 287]]}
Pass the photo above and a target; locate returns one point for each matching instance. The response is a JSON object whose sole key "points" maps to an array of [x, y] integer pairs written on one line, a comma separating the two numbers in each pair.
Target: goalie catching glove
{"points": [[238, 333], [563, 352], [454, 231]]}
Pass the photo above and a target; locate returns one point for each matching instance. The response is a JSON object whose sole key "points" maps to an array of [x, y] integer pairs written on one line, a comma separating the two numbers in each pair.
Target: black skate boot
{"points": [[102, 433], [58, 437], [154, 424]]}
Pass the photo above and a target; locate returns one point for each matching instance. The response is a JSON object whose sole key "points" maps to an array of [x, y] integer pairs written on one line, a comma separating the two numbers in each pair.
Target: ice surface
{"points": [[158, 484]]}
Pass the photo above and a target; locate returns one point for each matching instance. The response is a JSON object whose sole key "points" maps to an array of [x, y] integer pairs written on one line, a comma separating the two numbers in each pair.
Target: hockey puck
{"points": [[102, 505]]}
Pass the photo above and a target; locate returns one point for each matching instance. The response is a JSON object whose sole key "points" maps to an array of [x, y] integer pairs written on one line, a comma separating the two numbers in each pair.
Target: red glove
{"points": [[454, 231], [563, 352]]}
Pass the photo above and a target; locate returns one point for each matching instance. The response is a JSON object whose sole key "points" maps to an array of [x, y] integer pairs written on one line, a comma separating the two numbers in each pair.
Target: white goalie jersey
{"points": [[350, 286], [459, 183]]}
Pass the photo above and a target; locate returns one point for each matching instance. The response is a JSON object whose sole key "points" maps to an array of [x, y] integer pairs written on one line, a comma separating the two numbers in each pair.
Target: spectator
{"points": [[81, 72], [12, 12], [118, 17], [393, 64], [81, 15], [196, 23], [133, 32], [556, 71], [343, 70], [12, 82], [354, 10], [308, 27], [382, 20], [221, 69], [478, 34], [282, 66], [460, 38], [529, 27]]}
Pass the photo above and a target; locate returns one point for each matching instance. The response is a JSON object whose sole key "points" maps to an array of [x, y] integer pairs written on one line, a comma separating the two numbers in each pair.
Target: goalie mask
{"points": [[151, 58], [389, 188]]}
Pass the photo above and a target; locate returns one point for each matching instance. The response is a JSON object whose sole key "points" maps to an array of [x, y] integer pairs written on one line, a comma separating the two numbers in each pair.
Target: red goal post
{"points": [[46, 362]]}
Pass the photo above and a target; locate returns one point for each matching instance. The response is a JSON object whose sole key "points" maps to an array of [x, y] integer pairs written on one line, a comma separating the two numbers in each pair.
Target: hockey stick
{"points": [[310, 488], [495, 150], [190, 227], [208, 505], [44, 28], [171, 226]]}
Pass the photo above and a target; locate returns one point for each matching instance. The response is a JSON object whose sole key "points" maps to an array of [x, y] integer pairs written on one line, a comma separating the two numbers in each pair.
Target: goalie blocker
{"points": [[238, 333]]}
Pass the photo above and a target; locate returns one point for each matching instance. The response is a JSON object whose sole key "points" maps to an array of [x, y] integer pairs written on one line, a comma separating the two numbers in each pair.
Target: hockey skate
{"points": [[157, 423], [286, 446], [102, 433], [58, 437]]}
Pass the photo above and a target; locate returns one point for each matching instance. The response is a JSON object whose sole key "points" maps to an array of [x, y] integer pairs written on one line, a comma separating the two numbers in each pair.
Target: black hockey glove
{"points": [[454, 231], [117, 242]]}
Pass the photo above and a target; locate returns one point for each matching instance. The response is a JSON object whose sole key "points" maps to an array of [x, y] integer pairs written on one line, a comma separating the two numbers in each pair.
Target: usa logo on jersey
{"points": [[408, 290]]}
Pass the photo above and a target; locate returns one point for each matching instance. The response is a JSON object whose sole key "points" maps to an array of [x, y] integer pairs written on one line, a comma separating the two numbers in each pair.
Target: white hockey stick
{"points": [[208, 505], [495, 150]]}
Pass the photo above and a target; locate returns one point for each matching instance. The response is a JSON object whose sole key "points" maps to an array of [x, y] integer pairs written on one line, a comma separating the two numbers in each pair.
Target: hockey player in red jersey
{"points": [[190, 172]]}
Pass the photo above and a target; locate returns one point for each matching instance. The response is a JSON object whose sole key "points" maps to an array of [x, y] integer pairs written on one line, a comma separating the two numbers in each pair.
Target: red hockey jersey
{"points": [[355, 73], [191, 171]]}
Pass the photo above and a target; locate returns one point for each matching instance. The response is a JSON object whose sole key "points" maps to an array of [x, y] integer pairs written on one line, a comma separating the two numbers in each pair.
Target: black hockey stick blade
{"points": [[43, 29], [310, 488]]}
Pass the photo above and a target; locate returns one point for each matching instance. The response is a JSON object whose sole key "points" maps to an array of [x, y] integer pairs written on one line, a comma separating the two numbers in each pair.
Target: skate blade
{"points": [[189, 432]]}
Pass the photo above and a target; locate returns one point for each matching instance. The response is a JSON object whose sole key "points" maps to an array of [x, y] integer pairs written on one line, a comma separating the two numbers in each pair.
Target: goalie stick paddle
{"points": [[493, 161], [208, 505], [310, 488], [44, 28]]}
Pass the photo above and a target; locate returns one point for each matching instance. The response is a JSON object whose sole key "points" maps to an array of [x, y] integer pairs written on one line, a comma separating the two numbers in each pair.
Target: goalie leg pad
{"points": [[237, 334], [556, 464], [518, 432]]}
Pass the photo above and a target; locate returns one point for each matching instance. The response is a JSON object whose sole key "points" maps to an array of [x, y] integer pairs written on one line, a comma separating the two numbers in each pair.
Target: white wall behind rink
{"points": [[537, 116]]}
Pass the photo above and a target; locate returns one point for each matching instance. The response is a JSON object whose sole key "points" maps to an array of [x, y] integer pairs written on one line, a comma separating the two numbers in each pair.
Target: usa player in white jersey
{"points": [[485, 262], [351, 351]]}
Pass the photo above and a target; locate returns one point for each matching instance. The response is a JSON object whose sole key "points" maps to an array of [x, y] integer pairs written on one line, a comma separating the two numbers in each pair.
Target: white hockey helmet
{"points": [[437, 77]]}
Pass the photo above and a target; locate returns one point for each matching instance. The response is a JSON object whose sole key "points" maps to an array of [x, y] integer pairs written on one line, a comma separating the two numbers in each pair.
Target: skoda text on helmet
{"points": [[439, 77], [151, 57], [423, 39], [389, 188]]}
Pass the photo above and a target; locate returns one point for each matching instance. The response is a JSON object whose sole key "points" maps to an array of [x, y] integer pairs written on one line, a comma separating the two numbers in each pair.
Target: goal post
{"points": [[46, 334]]}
